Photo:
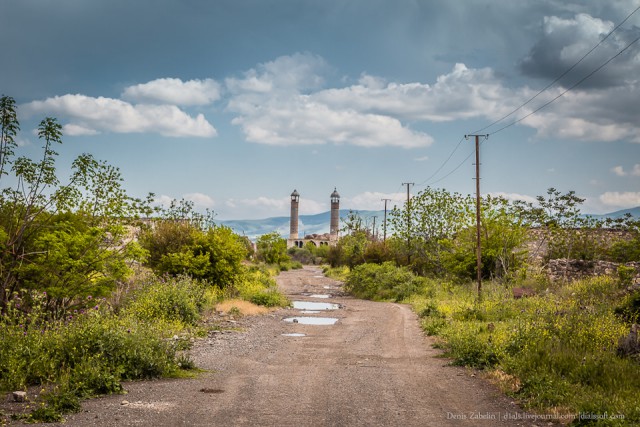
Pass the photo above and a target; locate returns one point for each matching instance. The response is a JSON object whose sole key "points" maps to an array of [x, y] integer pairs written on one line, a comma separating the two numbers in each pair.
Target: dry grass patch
{"points": [[245, 308]]}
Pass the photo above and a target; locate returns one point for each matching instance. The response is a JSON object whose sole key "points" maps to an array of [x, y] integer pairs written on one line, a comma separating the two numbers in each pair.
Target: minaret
{"points": [[293, 229], [335, 215]]}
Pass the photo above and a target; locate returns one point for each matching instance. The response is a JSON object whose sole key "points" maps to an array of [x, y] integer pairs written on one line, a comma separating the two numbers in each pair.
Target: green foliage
{"points": [[214, 255], [258, 286], [560, 347], [382, 282], [430, 218], [629, 308], [624, 250], [178, 299], [272, 249], [68, 240], [88, 353]]}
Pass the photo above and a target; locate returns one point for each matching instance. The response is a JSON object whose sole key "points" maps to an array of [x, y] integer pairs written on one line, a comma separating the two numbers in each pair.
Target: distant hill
{"points": [[635, 212], [307, 224], [319, 223]]}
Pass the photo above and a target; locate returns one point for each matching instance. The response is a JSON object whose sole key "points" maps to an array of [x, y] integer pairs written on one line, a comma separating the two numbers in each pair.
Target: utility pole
{"points": [[374, 227], [384, 226], [408, 221], [478, 247]]}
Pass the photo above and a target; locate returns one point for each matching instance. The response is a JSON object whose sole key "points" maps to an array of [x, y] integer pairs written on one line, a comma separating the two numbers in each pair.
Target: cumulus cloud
{"points": [[199, 200], [90, 115], [461, 94], [261, 207], [617, 199], [372, 200], [563, 42], [280, 103], [174, 91], [619, 170], [515, 197]]}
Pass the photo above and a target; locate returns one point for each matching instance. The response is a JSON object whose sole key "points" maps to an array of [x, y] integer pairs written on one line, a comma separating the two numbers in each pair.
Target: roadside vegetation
{"points": [[565, 348], [98, 287]]}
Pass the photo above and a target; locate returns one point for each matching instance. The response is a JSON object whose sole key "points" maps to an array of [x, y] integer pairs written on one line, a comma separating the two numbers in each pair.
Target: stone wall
{"points": [[571, 269]]}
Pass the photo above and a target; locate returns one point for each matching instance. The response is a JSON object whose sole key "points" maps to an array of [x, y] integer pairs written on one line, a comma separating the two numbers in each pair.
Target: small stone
{"points": [[124, 403], [19, 396]]}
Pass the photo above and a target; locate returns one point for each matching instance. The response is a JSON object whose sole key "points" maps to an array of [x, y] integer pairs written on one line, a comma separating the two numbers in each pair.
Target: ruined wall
{"points": [[537, 247], [572, 269]]}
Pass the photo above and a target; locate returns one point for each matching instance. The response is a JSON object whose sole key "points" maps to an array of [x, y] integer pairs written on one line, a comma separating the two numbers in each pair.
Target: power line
{"points": [[567, 71], [570, 88], [444, 163]]}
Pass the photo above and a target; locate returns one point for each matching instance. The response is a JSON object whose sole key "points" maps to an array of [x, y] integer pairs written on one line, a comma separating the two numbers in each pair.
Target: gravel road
{"points": [[373, 367]]}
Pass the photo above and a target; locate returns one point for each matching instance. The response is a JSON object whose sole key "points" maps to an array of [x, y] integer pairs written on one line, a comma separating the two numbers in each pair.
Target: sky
{"points": [[233, 104]]}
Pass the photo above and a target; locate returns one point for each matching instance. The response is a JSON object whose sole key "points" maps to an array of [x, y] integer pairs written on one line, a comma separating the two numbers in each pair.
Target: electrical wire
{"points": [[567, 71], [570, 88], [534, 97], [443, 164]]}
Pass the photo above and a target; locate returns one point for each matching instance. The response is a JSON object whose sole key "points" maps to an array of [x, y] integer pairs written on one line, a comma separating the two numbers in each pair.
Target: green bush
{"points": [[382, 282], [178, 299], [257, 285], [629, 308], [88, 353]]}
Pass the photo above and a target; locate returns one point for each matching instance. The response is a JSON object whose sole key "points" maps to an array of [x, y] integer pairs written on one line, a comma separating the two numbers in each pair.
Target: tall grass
{"points": [[556, 349], [556, 352], [92, 351]]}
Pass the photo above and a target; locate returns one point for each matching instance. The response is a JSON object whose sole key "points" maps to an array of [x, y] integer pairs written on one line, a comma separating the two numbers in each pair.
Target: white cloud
{"points": [[199, 200], [92, 115], [162, 200], [265, 207], [463, 93], [617, 199], [78, 130], [372, 200], [515, 196], [619, 170], [276, 105], [174, 91], [421, 159]]}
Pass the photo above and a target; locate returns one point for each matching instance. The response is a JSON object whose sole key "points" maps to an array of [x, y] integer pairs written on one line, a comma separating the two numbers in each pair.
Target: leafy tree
{"points": [[435, 217], [178, 248], [272, 248], [502, 237], [62, 239]]}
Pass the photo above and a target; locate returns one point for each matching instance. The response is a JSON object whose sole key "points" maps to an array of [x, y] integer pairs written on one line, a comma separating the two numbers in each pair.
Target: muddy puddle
{"points": [[314, 306], [312, 320]]}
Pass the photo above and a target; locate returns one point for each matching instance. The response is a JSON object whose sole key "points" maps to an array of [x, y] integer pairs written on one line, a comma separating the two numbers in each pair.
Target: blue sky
{"points": [[234, 103]]}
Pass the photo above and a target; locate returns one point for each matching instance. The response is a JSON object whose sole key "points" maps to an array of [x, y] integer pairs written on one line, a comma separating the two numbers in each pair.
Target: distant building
{"points": [[326, 239]]}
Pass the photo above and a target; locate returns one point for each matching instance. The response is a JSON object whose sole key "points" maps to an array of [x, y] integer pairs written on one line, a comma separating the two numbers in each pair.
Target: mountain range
{"points": [[319, 223]]}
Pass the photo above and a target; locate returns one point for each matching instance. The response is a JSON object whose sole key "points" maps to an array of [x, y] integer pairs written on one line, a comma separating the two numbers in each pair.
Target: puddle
{"points": [[320, 296], [308, 305], [312, 320], [294, 334], [318, 276], [309, 311]]}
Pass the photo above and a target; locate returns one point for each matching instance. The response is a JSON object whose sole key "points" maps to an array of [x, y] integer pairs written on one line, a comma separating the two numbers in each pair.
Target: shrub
{"points": [[382, 282], [178, 299], [257, 286]]}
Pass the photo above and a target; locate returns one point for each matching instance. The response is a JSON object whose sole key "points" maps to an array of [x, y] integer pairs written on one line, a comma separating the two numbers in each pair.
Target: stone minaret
{"points": [[335, 215], [293, 229]]}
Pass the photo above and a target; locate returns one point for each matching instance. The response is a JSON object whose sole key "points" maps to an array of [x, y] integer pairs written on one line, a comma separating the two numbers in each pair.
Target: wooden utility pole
{"points": [[384, 226], [408, 221], [373, 233], [478, 247]]}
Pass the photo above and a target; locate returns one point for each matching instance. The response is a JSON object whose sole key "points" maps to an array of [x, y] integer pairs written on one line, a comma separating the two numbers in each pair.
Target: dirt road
{"points": [[373, 367]]}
